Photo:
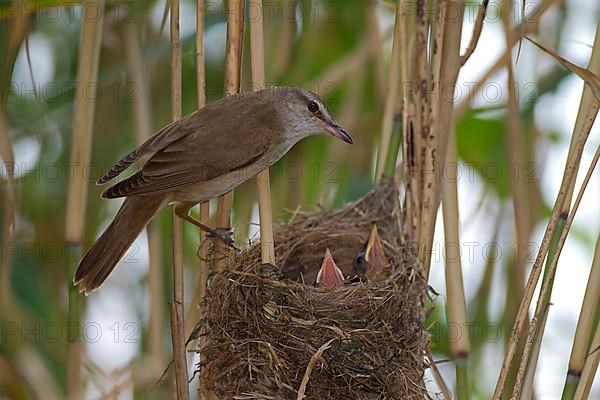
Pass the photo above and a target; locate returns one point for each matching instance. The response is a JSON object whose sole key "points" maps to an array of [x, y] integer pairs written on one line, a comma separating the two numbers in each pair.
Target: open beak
{"points": [[338, 132], [378, 267], [329, 275], [373, 244]]}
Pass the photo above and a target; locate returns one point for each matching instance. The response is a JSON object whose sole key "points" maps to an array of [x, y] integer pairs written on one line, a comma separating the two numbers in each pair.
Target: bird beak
{"points": [[373, 244], [338, 132], [329, 275], [378, 267]]}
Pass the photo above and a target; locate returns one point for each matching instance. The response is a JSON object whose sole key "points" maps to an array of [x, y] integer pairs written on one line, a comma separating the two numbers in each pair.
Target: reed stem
{"points": [[589, 367], [83, 122], [177, 310], [391, 97], [193, 314], [522, 214], [546, 288], [455, 291], [233, 66], [450, 63], [529, 368], [392, 157], [257, 53], [569, 174], [584, 331]]}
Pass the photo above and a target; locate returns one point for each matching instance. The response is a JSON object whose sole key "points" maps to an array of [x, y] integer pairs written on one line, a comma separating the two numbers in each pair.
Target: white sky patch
{"points": [[214, 42], [42, 65]]}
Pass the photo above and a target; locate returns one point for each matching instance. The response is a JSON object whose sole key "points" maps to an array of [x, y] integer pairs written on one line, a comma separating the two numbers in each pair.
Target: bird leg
{"points": [[182, 210]]}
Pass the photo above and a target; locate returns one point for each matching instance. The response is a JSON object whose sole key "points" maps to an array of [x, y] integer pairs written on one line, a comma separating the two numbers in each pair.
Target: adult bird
{"points": [[204, 155]]}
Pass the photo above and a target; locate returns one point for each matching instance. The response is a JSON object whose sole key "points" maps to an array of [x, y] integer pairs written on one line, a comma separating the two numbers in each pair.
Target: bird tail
{"points": [[105, 253]]}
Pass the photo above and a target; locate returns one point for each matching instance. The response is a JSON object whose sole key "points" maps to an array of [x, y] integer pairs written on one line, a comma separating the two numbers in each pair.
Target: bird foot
{"points": [[223, 234]]}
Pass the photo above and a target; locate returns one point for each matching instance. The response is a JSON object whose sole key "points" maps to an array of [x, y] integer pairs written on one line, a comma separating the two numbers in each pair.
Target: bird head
{"points": [[371, 260], [305, 114], [329, 275]]}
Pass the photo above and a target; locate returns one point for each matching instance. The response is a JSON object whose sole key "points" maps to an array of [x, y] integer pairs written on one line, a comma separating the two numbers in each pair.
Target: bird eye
{"points": [[313, 107]]}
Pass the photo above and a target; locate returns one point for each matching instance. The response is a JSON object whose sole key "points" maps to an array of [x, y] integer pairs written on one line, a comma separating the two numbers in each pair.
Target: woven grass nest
{"points": [[268, 335]]}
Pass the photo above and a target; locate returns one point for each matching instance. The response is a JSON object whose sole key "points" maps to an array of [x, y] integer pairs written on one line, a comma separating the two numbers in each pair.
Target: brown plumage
{"points": [[105, 253], [202, 156]]}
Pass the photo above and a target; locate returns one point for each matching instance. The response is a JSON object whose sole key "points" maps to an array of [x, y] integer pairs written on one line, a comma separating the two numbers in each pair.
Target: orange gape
{"points": [[378, 268], [372, 262], [329, 275]]}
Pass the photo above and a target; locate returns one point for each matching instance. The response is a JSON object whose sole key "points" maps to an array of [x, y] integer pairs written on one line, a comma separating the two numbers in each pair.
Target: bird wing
{"points": [[195, 157], [208, 120], [164, 137]]}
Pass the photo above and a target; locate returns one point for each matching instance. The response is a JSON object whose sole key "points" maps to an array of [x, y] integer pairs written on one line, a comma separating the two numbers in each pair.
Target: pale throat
{"points": [[297, 127]]}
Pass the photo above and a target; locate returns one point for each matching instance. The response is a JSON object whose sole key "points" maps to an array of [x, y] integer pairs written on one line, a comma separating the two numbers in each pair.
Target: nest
{"points": [[269, 333]]}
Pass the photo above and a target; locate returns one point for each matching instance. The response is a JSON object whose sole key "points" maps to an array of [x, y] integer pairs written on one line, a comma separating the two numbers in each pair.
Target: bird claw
{"points": [[223, 234]]}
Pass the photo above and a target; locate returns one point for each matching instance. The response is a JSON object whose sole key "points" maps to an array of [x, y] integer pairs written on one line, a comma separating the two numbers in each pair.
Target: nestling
{"points": [[329, 275], [372, 261]]}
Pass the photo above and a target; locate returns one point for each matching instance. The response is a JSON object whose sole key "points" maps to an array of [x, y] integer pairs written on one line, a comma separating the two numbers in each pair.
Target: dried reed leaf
{"points": [[311, 365], [522, 29], [589, 78], [477, 28], [437, 375]]}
